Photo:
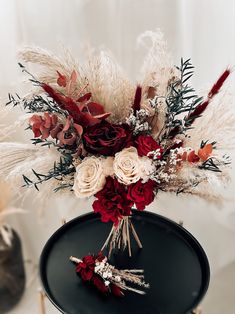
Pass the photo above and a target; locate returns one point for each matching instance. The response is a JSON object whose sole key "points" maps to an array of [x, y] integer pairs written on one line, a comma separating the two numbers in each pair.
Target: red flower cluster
{"points": [[203, 154], [116, 200], [83, 111], [85, 270], [112, 202], [48, 125], [42, 126]]}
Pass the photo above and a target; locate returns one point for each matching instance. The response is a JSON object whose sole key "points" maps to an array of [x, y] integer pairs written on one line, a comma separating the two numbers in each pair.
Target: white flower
{"points": [[129, 167], [147, 167], [90, 176]]}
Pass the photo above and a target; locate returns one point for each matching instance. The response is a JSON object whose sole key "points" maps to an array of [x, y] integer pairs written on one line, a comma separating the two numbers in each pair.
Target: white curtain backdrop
{"points": [[201, 29]]}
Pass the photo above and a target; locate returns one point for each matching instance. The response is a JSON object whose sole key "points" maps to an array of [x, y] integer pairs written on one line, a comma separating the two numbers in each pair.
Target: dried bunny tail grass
{"points": [[216, 124], [17, 159], [158, 68], [109, 85], [50, 64]]}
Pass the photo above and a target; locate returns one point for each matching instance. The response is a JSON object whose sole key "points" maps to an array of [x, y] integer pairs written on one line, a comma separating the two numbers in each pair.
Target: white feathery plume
{"points": [[210, 184], [216, 124], [50, 64], [106, 80], [158, 68], [17, 159], [109, 85]]}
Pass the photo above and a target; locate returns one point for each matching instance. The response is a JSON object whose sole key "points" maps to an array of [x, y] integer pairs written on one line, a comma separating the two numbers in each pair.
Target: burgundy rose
{"points": [[112, 202], [86, 268], [146, 144], [107, 139], [142, 194]]}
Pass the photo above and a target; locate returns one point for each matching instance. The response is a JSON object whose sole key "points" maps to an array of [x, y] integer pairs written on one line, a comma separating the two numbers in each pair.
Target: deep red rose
{"points": [[146, 144], [107, 139], [142, 194], [99, 284], [112, 202], [86, 268]]}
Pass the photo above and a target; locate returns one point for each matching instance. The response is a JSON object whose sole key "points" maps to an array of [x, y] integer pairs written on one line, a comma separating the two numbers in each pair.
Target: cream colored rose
{"points": [[129, 167], [90, 176]]}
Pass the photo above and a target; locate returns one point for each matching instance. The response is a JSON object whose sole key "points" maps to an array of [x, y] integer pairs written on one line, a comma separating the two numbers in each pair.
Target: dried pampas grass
{"points": [[158, 67], [17, 159], [104, 77], [210, 185], [109, 85], [49, 65], [216, 124]]}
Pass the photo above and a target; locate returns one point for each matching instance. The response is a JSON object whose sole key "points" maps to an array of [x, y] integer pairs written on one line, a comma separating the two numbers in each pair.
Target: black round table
{"points": [[174, 262]]}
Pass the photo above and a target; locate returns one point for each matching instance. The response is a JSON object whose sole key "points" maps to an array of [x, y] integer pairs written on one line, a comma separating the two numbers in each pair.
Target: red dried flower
{"points": [[205, 152], [69, 133], [112, 202], [192, 116], [107, 139], [42, 125], [137, 99], [117, 291], [146, 144], [99, 284], [193, 157], [47, 125], [62, 80], [142, 194], [82, 113], [86, 268]]}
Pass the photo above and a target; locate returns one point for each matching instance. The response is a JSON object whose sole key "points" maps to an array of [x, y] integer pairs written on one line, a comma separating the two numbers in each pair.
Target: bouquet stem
{"points": [[120, 237]]}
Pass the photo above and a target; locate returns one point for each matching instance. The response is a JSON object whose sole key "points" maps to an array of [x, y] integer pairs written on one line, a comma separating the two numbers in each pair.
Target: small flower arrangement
{"points": [[106, 278], [119, 142]]}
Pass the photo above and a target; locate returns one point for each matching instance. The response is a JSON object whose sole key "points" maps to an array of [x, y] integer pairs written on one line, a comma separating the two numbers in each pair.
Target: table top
{"points": [[175, 266]]}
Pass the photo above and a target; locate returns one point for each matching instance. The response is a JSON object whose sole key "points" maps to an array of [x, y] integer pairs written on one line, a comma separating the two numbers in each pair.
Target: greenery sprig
{"points": [[61, 169], [180, 99]]}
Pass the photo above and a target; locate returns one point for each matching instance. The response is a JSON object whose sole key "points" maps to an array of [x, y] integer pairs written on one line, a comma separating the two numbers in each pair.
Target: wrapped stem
{"points": [[120, 237]]}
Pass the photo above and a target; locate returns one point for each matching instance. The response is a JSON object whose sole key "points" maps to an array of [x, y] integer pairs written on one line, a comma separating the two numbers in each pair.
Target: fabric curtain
{"points": [[202, 30]]}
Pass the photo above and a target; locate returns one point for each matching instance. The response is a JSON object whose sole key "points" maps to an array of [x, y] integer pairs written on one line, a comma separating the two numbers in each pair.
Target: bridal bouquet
{"points": [[120, 142]]}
